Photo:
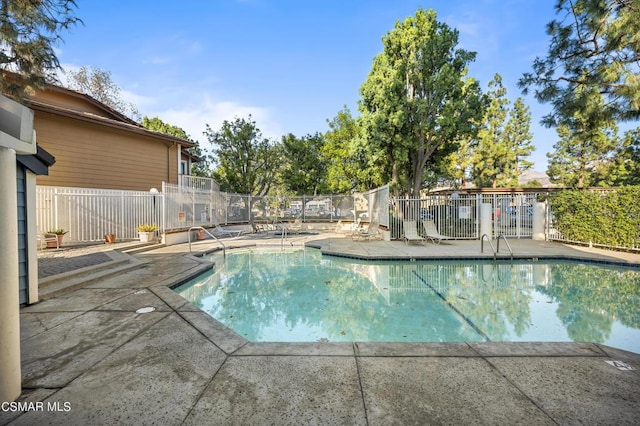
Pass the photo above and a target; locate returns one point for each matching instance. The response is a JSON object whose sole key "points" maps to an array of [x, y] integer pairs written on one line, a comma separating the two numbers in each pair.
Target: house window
{"points": [[184, 169]]}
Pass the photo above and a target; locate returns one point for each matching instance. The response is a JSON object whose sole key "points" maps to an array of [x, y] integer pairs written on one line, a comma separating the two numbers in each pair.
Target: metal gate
{"points": [[457, 216]]}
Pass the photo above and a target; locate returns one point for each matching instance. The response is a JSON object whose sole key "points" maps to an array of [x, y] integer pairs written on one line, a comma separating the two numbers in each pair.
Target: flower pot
{"points": [[53, 244], [110, 238], [146, 237], [201, 234]]}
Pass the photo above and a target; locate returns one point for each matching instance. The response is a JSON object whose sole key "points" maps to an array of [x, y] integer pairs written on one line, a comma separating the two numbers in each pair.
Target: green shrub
{"points": [[609, 218]]}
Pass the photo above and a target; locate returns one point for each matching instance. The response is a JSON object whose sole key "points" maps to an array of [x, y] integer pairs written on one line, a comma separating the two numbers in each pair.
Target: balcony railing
{"points": [[198, 183]]}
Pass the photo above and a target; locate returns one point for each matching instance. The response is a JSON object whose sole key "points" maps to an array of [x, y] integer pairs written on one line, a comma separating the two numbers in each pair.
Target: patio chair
{"points": [[295, 227], [220, 231], [410, 229], [431, 232], [371, 233], [43, 239]]}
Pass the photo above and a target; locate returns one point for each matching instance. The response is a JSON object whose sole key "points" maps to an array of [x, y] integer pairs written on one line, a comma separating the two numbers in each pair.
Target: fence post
{"points": [[55, 208], [164, 206], [538, 225]]}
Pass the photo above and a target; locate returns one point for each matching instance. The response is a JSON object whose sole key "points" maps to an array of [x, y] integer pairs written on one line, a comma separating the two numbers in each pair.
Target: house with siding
{"points": [[21, 160], [98, 147]]}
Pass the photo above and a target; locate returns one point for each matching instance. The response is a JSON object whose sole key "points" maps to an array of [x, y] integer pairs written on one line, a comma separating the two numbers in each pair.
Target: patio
{"points": [[91, 359]]}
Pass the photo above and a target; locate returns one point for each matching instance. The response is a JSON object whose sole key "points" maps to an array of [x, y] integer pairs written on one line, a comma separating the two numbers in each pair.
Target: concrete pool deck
{"points": [[89, 358]]}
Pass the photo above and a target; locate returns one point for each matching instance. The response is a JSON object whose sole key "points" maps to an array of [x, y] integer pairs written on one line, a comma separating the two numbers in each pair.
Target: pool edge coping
{"points": [[382, 349]]}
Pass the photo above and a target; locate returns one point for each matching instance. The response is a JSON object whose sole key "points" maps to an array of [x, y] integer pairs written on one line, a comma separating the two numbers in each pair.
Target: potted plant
{"points": [[58, 233], [146, 231]]}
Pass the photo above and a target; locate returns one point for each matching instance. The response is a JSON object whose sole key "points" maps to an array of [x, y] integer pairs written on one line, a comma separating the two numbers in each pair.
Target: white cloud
{"points": [[139, 101], [194, 117]]}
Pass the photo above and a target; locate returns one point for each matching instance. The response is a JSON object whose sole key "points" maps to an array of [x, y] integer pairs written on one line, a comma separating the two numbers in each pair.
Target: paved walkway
{"points": [[93, 357]]}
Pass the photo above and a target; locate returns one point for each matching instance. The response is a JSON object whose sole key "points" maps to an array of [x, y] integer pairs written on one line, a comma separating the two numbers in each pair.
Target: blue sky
{"points": [[291, 64]]}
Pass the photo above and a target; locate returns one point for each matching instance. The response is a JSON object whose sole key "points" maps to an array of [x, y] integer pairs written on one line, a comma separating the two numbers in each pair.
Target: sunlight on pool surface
{"points": [[273, 295]]}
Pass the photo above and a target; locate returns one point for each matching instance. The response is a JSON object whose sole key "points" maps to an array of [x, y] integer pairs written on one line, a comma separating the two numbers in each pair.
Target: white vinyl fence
{"points": [[89, 214]]}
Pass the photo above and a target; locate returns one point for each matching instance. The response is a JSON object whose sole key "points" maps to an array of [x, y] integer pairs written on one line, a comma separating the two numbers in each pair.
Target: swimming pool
{"points": [[273, 295]]}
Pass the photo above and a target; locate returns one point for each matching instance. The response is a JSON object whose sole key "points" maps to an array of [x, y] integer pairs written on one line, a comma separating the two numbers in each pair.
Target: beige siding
{"points": [[173, 164], [74, 103], [95, 156]]}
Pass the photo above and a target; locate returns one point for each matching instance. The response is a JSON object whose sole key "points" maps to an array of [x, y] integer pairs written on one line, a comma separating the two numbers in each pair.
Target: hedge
{"points": [[608, 218]]}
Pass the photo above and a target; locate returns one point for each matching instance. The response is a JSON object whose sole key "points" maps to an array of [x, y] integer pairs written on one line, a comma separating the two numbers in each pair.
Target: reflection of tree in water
{"points": [[592, 297], [265, 289], [391, 301], [489, 297]]}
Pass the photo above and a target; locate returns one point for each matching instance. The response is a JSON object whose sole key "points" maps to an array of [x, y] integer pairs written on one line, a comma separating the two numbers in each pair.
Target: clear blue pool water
{"points": [[273, 295]]}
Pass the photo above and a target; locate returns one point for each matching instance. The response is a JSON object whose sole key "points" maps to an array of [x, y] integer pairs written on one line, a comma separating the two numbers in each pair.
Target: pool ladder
{"points": [[495, 250], [193, 228]]}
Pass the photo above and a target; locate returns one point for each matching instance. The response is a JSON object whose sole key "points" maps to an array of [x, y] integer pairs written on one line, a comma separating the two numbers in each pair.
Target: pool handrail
{"points": [[495, 250], [224, 248], [507, 242], [490, 243]]}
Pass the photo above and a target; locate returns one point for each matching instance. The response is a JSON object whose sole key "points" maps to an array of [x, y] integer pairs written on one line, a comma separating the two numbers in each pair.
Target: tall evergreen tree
{"points": [[29, 31], [492, 152], [594, 43], [627, 159], [586, 144], [504, 141], [519, 141]]}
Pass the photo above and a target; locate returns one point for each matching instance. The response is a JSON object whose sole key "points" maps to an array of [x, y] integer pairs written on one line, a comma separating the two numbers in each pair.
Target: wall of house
{"points": [[90, 155], [174, 164], [23, 264], [64, 100]]}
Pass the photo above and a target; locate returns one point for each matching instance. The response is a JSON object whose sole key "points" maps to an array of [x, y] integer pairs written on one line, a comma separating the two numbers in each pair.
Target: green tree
{"points": [[627, 159], [457, 166], [519, 140], [200, 168], [98, 84], [245, 162], [504, 141], [304, 172], [492, 151], [29, 30], [417, 100], [622, 166], [586, 144], [594, 43], [348, 161], [157, 125]]}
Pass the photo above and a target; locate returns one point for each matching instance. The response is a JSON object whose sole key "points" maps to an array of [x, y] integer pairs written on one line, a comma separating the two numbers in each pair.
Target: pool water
{"points": [[273, 295]]}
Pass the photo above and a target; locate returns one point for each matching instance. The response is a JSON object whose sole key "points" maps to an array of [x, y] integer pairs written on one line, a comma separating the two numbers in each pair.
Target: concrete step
{"points": [[142, 247], [60, 284]]}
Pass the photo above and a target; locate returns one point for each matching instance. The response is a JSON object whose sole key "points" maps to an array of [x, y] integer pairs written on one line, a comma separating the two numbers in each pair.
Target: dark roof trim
{"points": [[194, 158], [37, 163], [92, 118], [118, 115]]}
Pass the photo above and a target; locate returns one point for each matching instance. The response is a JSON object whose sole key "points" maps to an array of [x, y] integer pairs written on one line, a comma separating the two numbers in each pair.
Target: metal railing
{"points": [[506, 242], [493, 249], [193, 228], [458, 216], [496, 250]]}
